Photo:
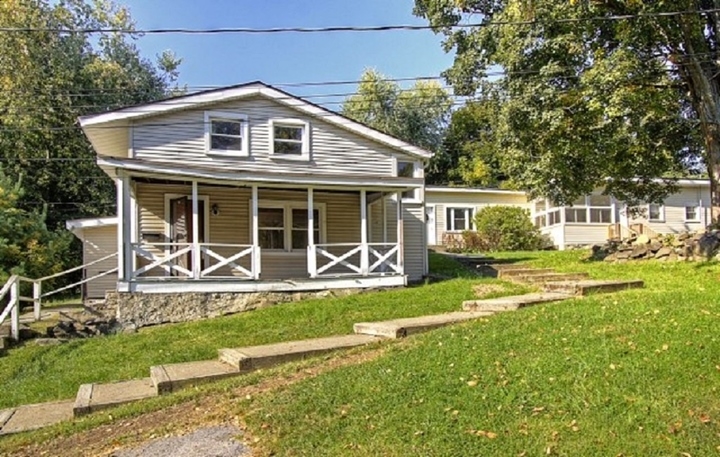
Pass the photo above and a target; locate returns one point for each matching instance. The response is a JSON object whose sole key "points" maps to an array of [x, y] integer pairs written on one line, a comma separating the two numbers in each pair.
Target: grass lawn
{"points": [[634, 373], [32, 374]]}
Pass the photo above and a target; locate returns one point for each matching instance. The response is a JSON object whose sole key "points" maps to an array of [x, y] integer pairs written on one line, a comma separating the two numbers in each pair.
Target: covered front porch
{"points": [[207, 235]]}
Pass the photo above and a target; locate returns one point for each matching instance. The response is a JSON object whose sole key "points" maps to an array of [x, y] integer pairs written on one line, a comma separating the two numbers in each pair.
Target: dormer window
{"points": [[226, 133], [290, 139]]}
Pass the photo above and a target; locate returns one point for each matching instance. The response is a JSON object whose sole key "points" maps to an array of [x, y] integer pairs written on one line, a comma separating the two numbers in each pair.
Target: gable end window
{"points": [[290, 139], [226, 133]]}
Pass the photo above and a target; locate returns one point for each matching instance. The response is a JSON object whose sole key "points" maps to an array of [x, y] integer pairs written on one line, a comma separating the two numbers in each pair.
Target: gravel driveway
{"points": [[219, 441]]}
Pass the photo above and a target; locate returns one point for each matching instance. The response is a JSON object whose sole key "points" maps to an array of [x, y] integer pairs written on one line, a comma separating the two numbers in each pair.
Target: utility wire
{"points": [[332, 29]]}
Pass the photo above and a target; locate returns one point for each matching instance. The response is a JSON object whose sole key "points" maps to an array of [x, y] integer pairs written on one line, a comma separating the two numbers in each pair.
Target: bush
{"points": [[507, 228]]}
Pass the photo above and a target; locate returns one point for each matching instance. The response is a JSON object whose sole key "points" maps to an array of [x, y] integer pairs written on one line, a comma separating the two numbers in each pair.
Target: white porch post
{"points": [[134, 225], [15, 310], [400, 235], [384, 217], [613, 209], [364, 251], [196, 232], [255, 235], [125, 248], [311, 254]]}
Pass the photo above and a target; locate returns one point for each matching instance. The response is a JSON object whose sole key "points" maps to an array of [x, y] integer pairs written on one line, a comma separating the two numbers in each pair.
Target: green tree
{"points": [[48, 79], [27, 247], [471, 143], [591, 103], [418, 115]]}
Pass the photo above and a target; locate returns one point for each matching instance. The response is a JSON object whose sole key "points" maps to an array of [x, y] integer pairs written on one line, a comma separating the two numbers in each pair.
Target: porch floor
{"points": [[237, 285]]}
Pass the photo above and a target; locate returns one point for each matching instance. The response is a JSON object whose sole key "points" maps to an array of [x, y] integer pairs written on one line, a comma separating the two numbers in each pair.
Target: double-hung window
{"points": [[692, 212], [283, 226], [409, 170], [458, 219], [226, 133], [656, 213], [290, 139]]}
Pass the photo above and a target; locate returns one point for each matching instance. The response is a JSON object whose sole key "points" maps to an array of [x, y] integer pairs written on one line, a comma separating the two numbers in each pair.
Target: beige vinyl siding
{"points": [[99, 242], [180, 136], [231, 225], [674, 208], [113, 139], [476, 200], [414, 241]]}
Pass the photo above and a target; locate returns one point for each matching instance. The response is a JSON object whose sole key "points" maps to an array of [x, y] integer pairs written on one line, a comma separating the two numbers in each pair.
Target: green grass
{"points": [[634, 373], [32, 374]]}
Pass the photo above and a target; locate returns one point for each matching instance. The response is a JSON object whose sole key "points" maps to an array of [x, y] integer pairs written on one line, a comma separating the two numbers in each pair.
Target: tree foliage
{"points": [[27, 247], [418, 115], [591, 103], [48, 79]]}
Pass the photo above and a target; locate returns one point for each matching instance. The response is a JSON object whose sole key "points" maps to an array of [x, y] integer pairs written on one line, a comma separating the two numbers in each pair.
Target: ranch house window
{"points": [[655, 212], [226, 133], [290, 139], [692, 213], [458, 219]]}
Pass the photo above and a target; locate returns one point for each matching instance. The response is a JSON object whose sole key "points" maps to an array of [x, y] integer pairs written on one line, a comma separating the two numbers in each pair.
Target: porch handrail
{"points": [[13, 287]]}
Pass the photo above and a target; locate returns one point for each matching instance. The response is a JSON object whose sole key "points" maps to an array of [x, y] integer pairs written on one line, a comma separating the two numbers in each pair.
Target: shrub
{"points": [[473, 242], [507, 228]]}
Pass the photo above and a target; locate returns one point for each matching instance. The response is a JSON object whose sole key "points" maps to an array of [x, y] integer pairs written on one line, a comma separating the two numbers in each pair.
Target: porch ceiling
{"points": [[172, 172]]}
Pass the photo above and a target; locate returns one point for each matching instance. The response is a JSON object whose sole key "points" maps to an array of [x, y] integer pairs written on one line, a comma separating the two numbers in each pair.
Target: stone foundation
{"points": [[135, 310]]}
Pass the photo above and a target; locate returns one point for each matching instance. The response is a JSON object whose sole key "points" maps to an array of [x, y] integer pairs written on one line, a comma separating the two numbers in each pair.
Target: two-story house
{"points": [[250, 189]]}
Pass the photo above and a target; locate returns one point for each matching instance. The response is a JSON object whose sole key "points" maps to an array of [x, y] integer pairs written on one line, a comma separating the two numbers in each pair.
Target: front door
{"points": [[181, 228], [430, 221]]}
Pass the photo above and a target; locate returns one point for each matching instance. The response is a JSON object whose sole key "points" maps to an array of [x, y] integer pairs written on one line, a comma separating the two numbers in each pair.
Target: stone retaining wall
{"points": [[135, 310]]}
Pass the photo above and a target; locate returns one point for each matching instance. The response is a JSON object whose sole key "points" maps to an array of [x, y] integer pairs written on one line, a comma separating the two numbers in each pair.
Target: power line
{"points": [[333, 29]]}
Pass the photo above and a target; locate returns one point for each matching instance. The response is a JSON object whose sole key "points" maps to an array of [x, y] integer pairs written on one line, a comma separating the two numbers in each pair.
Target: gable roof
{"points": [[256, 88]]}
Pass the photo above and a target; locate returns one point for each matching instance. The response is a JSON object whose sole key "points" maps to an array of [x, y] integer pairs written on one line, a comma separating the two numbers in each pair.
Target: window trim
{"points": [[697, 207], [418, 172], [287, 207], [661, 213], [305, 151], [233, 117], [471, 221]]}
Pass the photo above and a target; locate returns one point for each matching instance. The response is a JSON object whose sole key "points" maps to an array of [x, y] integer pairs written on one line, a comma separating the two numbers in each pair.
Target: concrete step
{"points": [[513, 302], [590, 286], [251, 358], [546, 277], [171, 377], [508, 273], [399, 328], [96, 397], [32, 417]]}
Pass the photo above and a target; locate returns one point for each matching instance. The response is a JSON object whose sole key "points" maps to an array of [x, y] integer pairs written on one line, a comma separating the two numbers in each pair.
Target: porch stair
{"points": [[592, 286], [550, 277], [512, 303]]}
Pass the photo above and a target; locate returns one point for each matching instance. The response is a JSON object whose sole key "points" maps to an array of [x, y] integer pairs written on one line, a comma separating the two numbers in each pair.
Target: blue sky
{"points": [[225, 59]]}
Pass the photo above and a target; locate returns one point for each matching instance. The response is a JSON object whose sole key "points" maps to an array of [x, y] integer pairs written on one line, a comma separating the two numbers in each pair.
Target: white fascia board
{"points": [[472, 191], [195, 101], [173, 104], [77, 224], [254, 177]]}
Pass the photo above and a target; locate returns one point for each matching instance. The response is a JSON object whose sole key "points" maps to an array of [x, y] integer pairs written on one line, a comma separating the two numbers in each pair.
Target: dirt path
{"points": [[221, 410]]}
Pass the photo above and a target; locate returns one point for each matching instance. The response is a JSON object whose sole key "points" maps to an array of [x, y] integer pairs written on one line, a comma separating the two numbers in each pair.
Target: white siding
{"points": [[674, 208], [99, 242], [477, 200], [180, 136], [585, 234]]}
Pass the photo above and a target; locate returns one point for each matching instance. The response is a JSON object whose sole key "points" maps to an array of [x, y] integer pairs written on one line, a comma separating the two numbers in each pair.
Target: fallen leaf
{"points": [[472, 383]]}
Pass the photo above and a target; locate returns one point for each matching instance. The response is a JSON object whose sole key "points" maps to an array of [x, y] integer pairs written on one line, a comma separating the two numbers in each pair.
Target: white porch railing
{"points": [[244, 262], [12, 290], [341, 259]]}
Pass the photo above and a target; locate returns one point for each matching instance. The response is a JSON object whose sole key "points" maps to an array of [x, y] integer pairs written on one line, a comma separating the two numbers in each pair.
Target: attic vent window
{"points": [[226, 133], [290, 139]]}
